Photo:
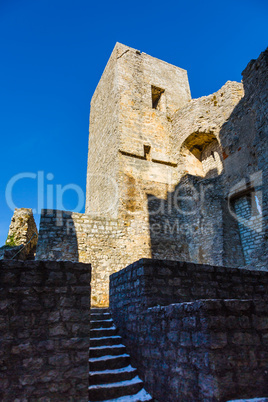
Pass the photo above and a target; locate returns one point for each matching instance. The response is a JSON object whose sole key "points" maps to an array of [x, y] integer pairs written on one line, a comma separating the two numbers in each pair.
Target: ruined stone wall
{"points": [[166, 173], [108, 244], [196, 137], [112, 244], [79, 237], [45, 326], [212, 350], [238, 124], [22, 236], [204, 344], [187, 225], [244, 142], [205, 115], [148, 283], [250, 224]]}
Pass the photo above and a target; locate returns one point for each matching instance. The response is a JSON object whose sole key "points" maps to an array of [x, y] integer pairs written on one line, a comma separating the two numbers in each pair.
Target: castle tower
{"points": [[160, 170], [130, 152]]}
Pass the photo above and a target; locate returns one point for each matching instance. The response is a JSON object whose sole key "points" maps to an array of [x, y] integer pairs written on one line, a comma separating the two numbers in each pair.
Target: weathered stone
{"points": [[22, 236], [220, 340], [39, 344], [208, 386], [169, 177]]}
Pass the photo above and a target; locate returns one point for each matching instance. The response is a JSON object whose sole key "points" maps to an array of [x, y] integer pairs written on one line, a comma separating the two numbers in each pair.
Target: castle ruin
{"points": [[169, 177], [175, 236]]}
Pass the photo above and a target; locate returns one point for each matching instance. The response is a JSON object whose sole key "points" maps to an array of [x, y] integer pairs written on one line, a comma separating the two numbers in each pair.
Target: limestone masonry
{"points": [[176, 219], [196, 332], [22, 236], [169, 177], [45, 330]]}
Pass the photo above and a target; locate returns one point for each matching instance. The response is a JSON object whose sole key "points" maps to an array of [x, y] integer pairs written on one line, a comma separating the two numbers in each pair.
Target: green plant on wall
{"points": [[10, 241]]}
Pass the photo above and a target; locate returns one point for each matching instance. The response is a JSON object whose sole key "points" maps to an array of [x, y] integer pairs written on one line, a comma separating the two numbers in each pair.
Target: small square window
{"points": [[157, 98], [147, 152]]}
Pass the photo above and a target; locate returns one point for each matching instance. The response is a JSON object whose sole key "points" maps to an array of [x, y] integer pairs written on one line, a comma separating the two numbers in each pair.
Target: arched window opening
{"points": [[201, 155]]}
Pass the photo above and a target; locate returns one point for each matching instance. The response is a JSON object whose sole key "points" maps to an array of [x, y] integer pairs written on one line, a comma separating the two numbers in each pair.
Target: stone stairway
{"points": [[111, 376]]}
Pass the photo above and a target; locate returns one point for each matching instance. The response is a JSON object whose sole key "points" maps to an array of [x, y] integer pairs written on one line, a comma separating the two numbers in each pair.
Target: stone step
{"points": [[141, 396], [250, 400], [102, 323], [100, 316], [101, 332], [114, 390], [116, 375], [99, 310], [111, 376], [111, 350], [105, 340], [108, 362]]}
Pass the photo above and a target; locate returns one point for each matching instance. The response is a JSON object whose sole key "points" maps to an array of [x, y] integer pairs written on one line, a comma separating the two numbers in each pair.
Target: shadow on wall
{"points": [[187, 226], [244, 140], [194, 222], [218, 214], [57, 236]]}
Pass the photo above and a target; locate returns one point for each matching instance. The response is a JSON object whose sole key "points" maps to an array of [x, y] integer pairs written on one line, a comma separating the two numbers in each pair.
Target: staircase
{"points": [[111, 376]]}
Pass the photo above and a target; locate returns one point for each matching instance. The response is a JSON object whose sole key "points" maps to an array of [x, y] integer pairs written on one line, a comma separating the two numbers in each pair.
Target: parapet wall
{"points": [[213, 350], [45, 326], [205, 344], [103, 242], [148, 283]]}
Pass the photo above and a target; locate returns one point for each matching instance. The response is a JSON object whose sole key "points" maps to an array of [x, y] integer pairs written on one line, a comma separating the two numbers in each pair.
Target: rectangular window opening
{"points": [[156, 97], [147, 152]]}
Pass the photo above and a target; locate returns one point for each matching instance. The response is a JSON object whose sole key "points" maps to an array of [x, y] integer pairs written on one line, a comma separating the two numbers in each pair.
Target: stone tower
{"points": [[130, 153], [166, 172]]}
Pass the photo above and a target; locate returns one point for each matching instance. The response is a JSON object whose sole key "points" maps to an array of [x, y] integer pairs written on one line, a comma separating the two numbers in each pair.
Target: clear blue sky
{"points": [[53, 52]]}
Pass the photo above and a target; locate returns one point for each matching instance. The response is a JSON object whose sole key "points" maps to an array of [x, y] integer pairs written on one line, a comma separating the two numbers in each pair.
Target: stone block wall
{"points": [[197, 138], [235, 116], [162, 180], [111, 244], [108, 244], [125, 126], [187, 226], [250, 224], [148, 283], [22, 236], [103, 144], [244, 141], [45, 325], [205, 116], [210, 350], [188, 349]]}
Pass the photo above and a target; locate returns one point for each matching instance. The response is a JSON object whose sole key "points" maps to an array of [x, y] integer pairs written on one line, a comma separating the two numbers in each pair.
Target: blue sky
{"points": [[53, 52]]}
